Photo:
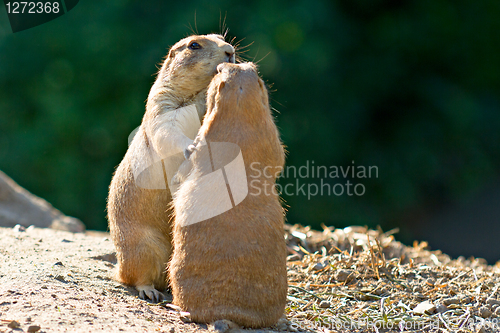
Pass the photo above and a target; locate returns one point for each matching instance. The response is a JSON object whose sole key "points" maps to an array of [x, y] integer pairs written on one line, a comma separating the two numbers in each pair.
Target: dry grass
{"points": [[360, 280]]}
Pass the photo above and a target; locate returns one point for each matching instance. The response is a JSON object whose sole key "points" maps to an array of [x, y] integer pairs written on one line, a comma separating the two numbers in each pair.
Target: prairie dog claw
{"points": [[150, 292], [188, 151]]}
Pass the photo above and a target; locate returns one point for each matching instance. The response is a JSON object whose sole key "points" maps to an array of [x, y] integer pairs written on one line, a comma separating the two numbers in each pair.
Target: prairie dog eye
{"points": [[194, 46]]}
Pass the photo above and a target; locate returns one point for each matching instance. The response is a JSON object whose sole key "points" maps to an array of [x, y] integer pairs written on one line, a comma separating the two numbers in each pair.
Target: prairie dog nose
{"points": [[220, 67], [229, 50], [226, 65]]}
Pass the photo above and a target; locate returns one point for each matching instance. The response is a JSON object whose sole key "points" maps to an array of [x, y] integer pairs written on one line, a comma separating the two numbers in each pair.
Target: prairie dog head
{"points": [[238, 88], [190, 65]]}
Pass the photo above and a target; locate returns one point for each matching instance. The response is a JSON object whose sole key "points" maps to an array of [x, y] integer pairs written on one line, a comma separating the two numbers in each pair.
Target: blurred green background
{"points": [[412, 87]]}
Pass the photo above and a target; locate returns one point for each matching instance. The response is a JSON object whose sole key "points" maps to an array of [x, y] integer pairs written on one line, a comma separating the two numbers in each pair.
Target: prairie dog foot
{"points": [[150, 292]]}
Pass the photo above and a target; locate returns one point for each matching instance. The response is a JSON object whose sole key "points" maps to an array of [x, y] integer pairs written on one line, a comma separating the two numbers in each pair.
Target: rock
{"points": [[14, 324], [318, 266], [282, 325], [18, 206], [60, 278], [344, 275], [451, 300], [324, 304], [485, 312], [223, 325], [19, 228], [33, 328], [441, 308], [425, 307]]}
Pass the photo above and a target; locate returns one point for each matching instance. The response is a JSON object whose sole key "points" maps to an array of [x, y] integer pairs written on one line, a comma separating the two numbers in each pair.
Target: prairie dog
{"points": [[231, 263], [139, 197]]}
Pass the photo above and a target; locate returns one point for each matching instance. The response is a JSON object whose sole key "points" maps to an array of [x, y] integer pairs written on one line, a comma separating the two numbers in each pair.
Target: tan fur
{"points": [[139, 217], [233, 266]]}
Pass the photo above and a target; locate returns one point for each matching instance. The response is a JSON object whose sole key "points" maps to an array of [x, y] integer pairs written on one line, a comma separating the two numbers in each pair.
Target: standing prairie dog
{"points": [[139, 198], [231, 262]]}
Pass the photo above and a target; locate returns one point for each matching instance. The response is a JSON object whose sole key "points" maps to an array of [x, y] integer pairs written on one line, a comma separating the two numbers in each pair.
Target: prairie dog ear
{"points": [[222, 84], [175, 49], [169, 58], [171, 53]]}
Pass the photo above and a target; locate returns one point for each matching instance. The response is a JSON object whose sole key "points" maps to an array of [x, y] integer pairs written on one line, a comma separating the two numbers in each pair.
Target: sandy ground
{"points": [[62, 282]]}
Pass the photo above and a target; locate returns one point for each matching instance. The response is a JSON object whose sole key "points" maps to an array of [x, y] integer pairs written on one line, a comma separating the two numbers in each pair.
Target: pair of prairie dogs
{"points": [[227, 266]]}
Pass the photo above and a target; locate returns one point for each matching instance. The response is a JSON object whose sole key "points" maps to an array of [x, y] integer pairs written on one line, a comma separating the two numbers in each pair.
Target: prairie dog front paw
{"points": [[183, 172]]}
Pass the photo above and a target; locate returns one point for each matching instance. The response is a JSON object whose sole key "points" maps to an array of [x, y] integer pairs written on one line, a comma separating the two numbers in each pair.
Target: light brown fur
{"points": [[233, 266], [139, 217]]}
